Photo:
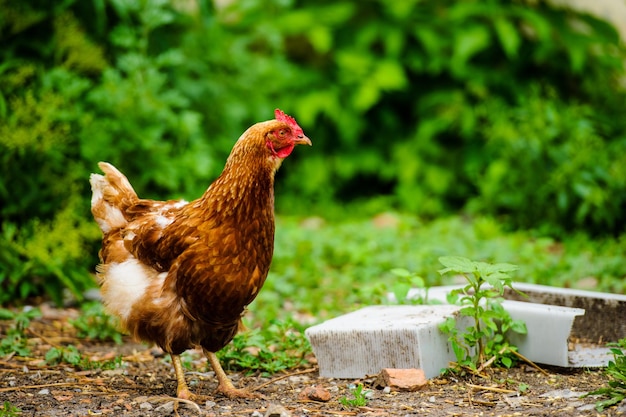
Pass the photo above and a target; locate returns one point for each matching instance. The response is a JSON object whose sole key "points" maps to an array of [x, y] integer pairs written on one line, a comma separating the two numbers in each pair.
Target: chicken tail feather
{"points": [[112, 195]]}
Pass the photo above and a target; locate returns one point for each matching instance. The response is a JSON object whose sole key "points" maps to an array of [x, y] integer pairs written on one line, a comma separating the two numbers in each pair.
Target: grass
{"points": [[93, 323], [15, 340], [616, 372], [359, 398], [9, 410], [70, 355], [324, 269]]}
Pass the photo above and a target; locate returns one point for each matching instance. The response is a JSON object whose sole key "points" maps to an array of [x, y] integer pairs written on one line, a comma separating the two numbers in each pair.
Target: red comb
{"points": [[281, 116]]}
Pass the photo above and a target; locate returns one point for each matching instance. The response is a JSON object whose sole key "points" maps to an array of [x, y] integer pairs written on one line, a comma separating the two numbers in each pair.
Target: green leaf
{"points": [[457, 264], [506, 361], [518, 326], [508, 36], [6, 314], [468, 42], [389, 75], [401, 272]]}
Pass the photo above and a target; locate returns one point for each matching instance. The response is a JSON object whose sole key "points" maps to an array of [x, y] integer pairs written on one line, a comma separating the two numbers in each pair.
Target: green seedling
{"points": [[485, 338], [9, 410], [280, 346], [15, 340], [94, 323], [71, 356], [359, 400], [405, 281], [616, 371]]}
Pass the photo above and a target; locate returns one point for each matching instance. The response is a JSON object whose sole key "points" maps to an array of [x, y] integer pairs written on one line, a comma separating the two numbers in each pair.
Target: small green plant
{"points": [[486, 337], [359, 400], [280, 346], [15, 340], [407, 280], [71, 356], [95, 323], [9, 410], [616, 371]]}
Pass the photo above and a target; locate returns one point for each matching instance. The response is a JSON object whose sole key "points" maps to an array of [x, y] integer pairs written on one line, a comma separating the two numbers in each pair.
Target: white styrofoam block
{"points": [[365, 341], [548, 328], [370, 339]]}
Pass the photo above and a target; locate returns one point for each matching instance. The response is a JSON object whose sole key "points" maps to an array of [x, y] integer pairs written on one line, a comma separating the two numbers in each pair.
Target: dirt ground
{"points": [[145, 382]]}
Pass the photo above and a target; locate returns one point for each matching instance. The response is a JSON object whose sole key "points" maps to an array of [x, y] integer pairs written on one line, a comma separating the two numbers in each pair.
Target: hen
{"points": [[181, 274]]}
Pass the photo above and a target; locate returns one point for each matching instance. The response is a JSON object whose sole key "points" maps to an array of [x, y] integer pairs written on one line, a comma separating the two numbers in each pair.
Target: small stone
{"points": [[588, 407], [401, 379], [256, 413], [168, 407], [276, 410], [146, 406], [210, 404], [44, 391], [113, 372], [562, 393], [315, 393], [387, 390]]}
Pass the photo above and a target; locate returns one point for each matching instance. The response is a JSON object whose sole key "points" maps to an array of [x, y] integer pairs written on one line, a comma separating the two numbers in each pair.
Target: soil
{"points": [[144, 384]]}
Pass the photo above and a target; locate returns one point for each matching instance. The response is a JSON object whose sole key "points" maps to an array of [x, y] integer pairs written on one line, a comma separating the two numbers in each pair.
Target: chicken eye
{"points": [[282, 132]]}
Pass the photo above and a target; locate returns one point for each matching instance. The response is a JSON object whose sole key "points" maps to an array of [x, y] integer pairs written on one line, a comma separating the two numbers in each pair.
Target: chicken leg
{"points": [[225, 385], [182, 390]]}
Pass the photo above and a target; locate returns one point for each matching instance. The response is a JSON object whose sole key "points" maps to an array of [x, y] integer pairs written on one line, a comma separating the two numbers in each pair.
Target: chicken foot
{"points": [[225, 385], [182, 390]]}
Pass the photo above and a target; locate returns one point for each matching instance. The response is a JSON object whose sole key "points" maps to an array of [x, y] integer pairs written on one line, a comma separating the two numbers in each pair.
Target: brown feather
{"points": [[196, 266]]}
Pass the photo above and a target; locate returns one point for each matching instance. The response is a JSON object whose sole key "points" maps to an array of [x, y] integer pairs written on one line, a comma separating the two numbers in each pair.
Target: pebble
{"points": [[562, 393], [114, 372], [168, 407], [276, 410], [256, 413], [146, 406], [210, 404], [586, 407], [387, 390], [44, 391], [315, 393]]}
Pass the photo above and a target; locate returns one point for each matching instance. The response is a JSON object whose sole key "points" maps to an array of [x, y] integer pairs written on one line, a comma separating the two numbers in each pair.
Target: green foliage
{"points": [[324, 268], [359, 400], [616, 371], [94, 323], [486, 336], [9, 410], [406, 281], [274, 348], [445, 105], [70, 355], [510, 109], [15, 340]]}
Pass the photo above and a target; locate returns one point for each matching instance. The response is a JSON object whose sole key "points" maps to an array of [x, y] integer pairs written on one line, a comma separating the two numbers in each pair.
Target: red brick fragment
{"points": [[315, 393], [402, 379]]}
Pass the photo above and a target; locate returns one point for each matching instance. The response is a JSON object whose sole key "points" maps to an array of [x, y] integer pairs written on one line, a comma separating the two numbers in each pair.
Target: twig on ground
{"points": [[278, 378], [56, 384], [531, 363], [176, 401], [492, 359], [494, 389]]}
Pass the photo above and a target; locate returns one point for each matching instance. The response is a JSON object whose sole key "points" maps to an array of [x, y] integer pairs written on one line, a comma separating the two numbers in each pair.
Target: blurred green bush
{"points": [[509, 108]]}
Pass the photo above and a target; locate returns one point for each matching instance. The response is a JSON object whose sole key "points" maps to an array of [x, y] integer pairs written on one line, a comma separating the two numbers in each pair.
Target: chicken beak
{"points": [[303, 140]]}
